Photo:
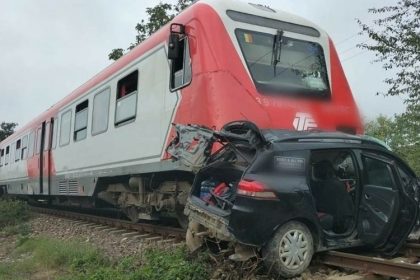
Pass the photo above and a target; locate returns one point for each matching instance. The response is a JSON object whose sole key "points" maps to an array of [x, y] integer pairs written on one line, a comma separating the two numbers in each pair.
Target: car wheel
{"points": [[290, 250]]}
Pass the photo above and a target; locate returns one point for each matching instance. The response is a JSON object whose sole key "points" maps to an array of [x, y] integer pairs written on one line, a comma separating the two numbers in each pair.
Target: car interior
{"points": [[333, 184]]}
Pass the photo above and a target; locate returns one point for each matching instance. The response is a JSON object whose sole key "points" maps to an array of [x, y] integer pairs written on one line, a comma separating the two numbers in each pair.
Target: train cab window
{"points": [[31, 144], [81, 121], [1, 157], [6, 159], [17, 151], [54, 136], [285, 65], [181, 67], [65, 127], [24, 150], [100, 114], [126, 105], [38, 140]]}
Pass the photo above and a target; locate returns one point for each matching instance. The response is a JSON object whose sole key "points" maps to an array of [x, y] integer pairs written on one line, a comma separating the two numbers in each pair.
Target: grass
{"points": [[73, 260], [41, 255], [43, 258], [13, 212]]}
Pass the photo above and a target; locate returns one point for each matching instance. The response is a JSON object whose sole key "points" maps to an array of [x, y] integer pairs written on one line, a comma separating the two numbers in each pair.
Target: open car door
{"points": [[386, 213]]}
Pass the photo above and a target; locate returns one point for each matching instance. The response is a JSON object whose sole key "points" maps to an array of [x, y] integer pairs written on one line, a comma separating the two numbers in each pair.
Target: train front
{"points": [[251, 62]]}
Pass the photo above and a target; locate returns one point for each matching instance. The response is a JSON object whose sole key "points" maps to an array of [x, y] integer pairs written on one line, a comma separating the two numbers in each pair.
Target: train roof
{"points": [[249, 8]]}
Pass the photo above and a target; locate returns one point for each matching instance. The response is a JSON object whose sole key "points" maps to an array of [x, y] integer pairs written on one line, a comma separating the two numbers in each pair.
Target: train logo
{"points": [[304, 121]]}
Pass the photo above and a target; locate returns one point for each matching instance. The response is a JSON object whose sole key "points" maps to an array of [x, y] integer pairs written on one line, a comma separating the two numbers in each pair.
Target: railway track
{"points": [[405, 267], [166, 232]]}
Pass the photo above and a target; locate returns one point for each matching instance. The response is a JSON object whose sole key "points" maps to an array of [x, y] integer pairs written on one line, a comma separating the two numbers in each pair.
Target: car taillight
{"points": [[254, 189]]}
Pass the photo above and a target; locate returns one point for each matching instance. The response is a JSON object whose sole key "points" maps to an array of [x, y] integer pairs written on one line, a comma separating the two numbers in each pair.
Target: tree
{"points": [[396, 36], [158, 16], [401, 133], [6, 129]]}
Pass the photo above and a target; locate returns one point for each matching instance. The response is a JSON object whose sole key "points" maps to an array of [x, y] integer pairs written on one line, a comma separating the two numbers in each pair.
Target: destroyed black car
{"points": [[287, 194]]}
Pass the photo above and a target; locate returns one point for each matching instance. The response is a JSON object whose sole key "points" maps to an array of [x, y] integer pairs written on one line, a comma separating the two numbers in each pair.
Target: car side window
{"points": [[378, 172]]}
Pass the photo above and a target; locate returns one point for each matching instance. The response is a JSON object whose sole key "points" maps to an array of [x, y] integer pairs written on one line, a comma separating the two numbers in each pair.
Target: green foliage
{"points": [[13, 212], [116, 54], [172, 265], [158, 16], [6, 129], [396, 36], [401, 133], [21, 229], [46, 256], [55, 253], [71, 260], [156, 265]]}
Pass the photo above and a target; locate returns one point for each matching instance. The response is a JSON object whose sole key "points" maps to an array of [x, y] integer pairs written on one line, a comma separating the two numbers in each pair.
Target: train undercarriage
{"points": [[144, 198]]}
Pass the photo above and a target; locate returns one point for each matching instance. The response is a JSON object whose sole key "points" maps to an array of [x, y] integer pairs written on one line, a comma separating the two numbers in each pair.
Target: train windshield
{"points": [[284, 65]]}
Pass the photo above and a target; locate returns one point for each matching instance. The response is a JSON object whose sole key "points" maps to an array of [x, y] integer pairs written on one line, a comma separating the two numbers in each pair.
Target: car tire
{"points": [[290, 250]]}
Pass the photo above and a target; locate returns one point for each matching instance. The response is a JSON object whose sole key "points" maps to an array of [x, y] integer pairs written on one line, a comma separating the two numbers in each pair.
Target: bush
{"points": [[19, 229], [160, 265], [56, 253], [13, 212], [155, 265], [50, 257]]}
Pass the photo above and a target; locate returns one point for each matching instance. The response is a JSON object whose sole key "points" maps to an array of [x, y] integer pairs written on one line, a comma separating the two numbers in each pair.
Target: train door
{"points": [[46, 154], [44, 148]]}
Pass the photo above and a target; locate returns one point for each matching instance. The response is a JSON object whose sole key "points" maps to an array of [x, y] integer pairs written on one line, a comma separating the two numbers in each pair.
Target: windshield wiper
{"points": [[278, 41]]}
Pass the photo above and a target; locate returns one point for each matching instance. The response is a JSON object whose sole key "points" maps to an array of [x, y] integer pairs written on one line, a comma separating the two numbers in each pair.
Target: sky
{"points": [[48, 48]]}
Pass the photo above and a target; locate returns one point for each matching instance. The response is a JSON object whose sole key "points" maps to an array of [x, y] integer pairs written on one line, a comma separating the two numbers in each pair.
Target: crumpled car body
{"points": [[347, 190]]}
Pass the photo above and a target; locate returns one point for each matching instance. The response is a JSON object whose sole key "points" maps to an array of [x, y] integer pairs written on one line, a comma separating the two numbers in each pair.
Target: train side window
{"points": [[1, 157], [38, 140], [54, 136], [24, 150], [17, 151], [31, 144], [126, 105], [81, 121], [100, 114], [6, 159], [181, 67], [65, 127]]}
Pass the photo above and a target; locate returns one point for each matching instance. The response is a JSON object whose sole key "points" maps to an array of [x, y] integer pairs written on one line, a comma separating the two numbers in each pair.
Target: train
{"points": [[105, 144]]}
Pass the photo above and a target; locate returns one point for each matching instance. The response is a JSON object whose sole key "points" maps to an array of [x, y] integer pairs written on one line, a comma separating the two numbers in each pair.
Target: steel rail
{"points": [[372, 265], [164, 231], [411, 249]]}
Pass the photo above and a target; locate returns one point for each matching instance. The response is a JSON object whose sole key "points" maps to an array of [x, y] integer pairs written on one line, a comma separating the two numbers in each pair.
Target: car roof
{"points": [[276, 136]]}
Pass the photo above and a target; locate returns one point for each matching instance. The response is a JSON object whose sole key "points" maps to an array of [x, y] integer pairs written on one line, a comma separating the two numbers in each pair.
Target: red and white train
{"points": [[218, 61]]}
